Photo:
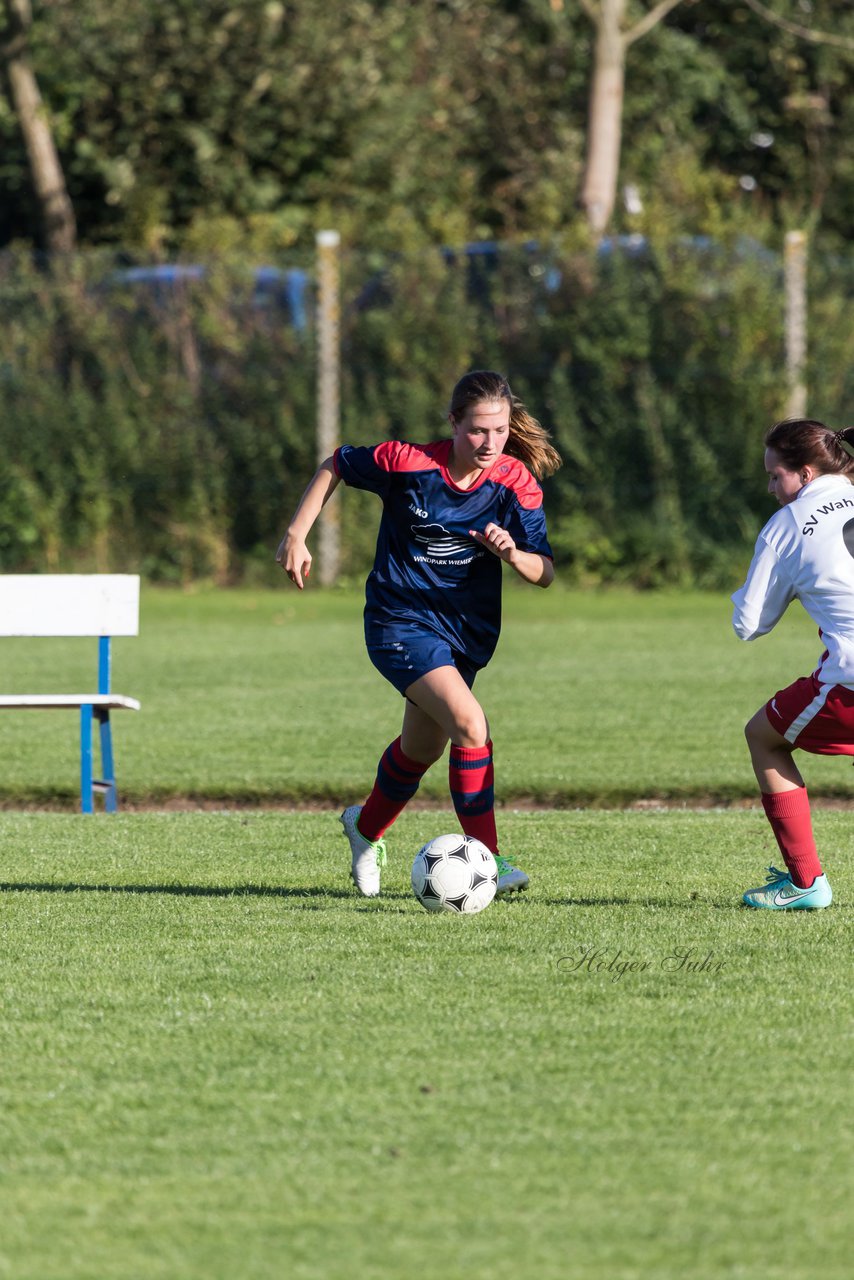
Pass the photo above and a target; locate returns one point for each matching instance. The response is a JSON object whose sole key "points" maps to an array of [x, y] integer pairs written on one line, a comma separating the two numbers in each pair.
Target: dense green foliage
{"points": [[172, 431], [437, 120], [397, 120], [218, 1062]]}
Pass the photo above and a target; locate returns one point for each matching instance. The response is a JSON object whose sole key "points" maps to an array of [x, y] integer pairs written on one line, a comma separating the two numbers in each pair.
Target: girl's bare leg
{"points": [[771, 756], [447, 704]]}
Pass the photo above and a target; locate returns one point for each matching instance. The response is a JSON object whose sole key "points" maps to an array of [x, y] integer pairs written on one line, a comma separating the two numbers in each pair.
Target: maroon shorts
{"points": [[815, 717]]}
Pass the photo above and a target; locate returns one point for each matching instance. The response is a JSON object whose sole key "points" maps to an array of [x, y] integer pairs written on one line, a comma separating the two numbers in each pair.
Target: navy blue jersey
{"points": [[428, 572]]}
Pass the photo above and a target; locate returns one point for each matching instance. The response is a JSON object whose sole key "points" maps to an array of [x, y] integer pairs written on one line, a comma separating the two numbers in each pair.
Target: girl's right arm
{"points": [[765, 596], [293, 554]]}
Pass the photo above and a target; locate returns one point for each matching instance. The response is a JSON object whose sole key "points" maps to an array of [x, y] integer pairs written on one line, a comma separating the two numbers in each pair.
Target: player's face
{"points": [[481, 434], [785, 485]]}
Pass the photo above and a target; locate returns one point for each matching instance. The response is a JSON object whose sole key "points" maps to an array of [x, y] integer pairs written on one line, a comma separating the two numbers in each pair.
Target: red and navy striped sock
{"points": [[398, 778], [789, 815], [472, 778]]}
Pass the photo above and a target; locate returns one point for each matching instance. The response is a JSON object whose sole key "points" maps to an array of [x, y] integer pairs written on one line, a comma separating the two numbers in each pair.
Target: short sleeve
{"points": [[357, 466], [527, 528]]}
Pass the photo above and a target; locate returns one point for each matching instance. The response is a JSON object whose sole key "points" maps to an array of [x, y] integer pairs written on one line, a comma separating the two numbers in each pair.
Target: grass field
{"points": [[269, 697], [216, 1062]]}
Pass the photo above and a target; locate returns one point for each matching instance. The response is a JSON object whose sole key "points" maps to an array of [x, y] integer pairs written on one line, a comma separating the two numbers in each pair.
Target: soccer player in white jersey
{"points": [[804, 552], [453, 511]]}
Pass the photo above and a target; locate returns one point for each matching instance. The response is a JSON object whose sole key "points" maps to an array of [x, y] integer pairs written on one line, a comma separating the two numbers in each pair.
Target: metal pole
{"points": [[795, 260], [328, 394]]}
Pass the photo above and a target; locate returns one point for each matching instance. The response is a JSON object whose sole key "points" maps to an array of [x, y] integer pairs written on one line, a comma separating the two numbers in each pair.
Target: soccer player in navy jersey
{"points": [[804, 552], [452, 512]]}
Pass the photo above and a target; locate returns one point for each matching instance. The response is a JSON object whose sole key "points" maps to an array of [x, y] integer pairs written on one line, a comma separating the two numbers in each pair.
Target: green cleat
{"points": [[510, 878], [782, 894]]}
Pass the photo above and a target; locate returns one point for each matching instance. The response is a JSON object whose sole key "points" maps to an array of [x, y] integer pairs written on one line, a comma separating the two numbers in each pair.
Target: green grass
{"points": [[217, 1062], [269, 697]]}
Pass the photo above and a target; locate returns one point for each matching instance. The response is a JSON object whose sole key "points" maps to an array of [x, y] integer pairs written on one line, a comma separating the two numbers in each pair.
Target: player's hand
{"points": [[295, 558], [496, 540]]}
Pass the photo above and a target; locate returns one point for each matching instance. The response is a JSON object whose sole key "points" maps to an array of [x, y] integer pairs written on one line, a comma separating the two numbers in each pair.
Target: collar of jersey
{"points": [[822, 483], [442, 457]]}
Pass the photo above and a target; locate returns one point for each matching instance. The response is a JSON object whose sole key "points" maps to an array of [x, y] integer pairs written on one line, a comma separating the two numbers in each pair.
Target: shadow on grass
{"points": [[189, 890], [660, 903], [306, 894], [315, 892]]}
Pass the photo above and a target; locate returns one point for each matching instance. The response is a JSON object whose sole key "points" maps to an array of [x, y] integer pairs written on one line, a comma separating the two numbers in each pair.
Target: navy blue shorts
{"points": [[413, 654]]}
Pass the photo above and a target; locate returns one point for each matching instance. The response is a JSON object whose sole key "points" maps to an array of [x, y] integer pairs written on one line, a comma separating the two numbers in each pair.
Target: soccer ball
{"points": [[454, 873]]}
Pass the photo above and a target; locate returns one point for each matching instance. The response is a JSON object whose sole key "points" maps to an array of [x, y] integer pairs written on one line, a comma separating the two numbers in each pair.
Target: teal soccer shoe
{"points": [[782, 894]]}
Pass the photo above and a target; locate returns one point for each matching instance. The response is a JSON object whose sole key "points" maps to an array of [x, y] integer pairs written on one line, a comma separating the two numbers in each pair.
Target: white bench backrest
{"points": [[69, 604]]}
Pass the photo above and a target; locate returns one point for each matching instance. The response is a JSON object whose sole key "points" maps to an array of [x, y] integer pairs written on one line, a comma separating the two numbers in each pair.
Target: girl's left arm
{"points": [[530, 565]]}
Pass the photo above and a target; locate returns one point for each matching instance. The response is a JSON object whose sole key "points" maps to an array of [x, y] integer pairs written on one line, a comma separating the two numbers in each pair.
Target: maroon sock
{"points": [[471, 777], [789, 815], [397, 780]]}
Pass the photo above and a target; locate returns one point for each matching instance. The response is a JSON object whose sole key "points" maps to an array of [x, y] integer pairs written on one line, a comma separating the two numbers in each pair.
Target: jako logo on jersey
{"points": [[437, 541], [416, 511]]}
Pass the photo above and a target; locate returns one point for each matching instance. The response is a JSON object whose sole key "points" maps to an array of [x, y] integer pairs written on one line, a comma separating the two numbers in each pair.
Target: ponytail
{"points": [[530, 443], [845, 440]]}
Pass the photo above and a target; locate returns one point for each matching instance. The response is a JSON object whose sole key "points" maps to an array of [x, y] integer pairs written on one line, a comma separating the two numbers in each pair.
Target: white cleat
{"points": [[367, 858]]}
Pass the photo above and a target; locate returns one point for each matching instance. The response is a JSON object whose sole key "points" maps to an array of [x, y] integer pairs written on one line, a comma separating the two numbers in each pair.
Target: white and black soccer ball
{"points": [[454, 873]]}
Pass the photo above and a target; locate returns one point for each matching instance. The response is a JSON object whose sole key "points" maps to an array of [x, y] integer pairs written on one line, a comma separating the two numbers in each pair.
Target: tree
{"points": [[204, 127], [46, 171], [782, 118], [400, 122], [798, 29], [604, 125]]}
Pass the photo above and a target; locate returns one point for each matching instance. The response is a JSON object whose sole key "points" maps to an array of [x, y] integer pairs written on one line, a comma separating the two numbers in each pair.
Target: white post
{"points": [[795, 269], [328, 395]]}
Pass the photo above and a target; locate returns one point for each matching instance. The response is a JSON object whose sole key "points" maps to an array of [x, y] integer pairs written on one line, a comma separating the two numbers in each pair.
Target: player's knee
{"points": [[471, 729], [751, 738], [756, 728]]}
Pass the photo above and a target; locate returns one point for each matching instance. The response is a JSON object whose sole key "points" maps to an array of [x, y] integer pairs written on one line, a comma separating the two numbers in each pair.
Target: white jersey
{"points": [[806, 552]]}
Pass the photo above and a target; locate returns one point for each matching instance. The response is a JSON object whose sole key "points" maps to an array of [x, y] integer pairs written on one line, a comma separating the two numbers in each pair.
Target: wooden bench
{"points": [[102, 605]]}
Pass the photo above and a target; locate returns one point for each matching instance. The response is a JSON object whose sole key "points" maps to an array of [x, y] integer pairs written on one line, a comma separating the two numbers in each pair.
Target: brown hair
{"points": [[528, 440], [803, 442]]}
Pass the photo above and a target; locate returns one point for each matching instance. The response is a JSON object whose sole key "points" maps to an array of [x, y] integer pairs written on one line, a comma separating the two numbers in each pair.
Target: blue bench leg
{"points": [[111, 803], [87, 804]]}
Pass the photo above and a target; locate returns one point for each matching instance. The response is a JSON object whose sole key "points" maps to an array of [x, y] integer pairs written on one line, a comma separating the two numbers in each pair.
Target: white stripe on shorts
{"points": [[808, 714]]}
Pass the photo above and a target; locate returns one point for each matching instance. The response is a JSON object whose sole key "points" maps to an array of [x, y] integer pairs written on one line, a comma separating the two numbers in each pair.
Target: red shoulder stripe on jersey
{"points": [[513, 474], [397, 455]]}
